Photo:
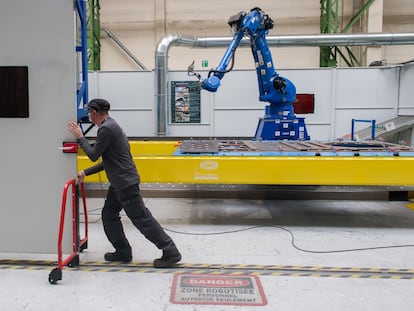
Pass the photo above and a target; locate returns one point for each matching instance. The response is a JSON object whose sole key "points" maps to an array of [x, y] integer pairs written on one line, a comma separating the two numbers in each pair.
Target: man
{"points": [[112, 145]]}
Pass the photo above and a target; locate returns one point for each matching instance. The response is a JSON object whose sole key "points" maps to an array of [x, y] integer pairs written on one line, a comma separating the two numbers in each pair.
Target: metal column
{"points": [[94, 29], [81, 48], [328, 24]]}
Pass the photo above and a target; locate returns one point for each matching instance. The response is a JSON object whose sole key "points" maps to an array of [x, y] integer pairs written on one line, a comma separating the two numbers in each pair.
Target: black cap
{"points": [[99, 104]]}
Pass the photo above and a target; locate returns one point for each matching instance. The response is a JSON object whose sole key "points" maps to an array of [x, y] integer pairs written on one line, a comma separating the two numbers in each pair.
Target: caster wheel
{"points": [[55, 275]]}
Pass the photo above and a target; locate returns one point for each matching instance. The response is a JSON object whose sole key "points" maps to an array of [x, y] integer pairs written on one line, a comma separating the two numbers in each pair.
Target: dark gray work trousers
{"points": [[131, 201]]}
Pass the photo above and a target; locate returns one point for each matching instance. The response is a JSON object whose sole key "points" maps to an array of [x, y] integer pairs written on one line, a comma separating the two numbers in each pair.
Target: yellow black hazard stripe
{"points": [[217, 269]]}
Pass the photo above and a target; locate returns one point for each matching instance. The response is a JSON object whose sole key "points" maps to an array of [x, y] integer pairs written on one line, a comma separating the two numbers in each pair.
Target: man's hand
{"points": [[81, 176], [75, 129]]}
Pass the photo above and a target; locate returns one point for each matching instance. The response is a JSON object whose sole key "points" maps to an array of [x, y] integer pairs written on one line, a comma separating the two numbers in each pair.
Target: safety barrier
{"points": [[366, 121], [78, 245]]}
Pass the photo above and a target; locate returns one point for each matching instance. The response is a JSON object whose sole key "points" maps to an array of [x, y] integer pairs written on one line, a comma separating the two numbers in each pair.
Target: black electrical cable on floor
{"points": [[293, 242]]}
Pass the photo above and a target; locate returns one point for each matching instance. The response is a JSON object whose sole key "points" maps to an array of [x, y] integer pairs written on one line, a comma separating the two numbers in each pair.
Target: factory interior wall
{"points": [[341, 94], [234, 109], [40, 35], [140, 25]]}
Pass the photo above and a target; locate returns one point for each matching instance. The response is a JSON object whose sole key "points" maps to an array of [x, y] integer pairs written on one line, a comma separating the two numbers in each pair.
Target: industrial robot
{"points": [[279, 122]]}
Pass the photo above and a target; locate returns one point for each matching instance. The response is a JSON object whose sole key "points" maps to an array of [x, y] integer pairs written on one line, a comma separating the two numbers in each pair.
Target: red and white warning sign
{"points": [[217, 290]]}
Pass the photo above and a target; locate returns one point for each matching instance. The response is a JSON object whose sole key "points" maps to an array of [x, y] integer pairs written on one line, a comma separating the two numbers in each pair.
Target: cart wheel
{"points": [[55, 275]]}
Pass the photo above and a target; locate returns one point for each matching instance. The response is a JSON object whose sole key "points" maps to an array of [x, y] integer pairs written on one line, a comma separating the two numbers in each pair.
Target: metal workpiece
{"points": [[296, 148]]}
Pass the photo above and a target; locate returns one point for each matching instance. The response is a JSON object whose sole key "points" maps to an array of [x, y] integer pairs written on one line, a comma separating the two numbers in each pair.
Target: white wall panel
{"points": [[238, 90], [126, 90], [369, 93], [131, 95], [406, 99], [341, 94], [136, 123], [236, 123]]}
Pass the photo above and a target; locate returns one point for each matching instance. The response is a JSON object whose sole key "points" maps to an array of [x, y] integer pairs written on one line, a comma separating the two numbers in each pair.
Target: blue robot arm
{"points": [[278, 91], [279, 121], [212, 83]]}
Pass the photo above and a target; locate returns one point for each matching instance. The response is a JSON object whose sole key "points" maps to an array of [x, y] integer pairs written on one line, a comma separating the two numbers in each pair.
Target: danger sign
{"points": [[218, 290]]}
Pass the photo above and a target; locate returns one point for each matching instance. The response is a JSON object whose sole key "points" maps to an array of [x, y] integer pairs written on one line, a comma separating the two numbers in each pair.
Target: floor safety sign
{"points": [[217, 290]]}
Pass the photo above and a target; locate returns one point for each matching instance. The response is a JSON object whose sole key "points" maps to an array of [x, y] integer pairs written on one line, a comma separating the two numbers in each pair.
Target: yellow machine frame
{"points": [[157, 164]]}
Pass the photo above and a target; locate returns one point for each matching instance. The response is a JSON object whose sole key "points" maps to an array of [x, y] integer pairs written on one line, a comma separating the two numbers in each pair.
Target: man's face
{"points": [[92, 115]]}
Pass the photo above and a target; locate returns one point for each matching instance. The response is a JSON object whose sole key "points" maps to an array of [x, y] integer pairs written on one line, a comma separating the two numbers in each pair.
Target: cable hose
{"points": [[293, 242]]}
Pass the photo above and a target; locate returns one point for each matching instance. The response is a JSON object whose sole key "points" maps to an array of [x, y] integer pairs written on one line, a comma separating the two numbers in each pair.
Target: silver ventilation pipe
{"points": [[161, 54]]}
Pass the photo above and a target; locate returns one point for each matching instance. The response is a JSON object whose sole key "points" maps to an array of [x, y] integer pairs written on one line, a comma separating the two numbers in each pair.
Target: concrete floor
{"points": [[289, 241]]}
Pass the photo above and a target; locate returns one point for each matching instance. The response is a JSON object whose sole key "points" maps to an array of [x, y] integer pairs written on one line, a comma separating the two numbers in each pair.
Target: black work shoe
{"points": [[169, 258], [123, 256]]}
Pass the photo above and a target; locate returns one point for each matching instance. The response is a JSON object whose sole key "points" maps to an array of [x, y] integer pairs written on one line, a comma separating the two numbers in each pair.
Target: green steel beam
{"points": [[94, 30], [357, 16], [329, 23]]}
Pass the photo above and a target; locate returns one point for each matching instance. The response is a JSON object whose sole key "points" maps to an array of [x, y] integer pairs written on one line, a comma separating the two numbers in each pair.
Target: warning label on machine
{"points": [[217, 290]]}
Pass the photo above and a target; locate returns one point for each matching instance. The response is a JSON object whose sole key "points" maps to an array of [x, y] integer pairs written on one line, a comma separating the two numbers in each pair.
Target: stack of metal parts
{"points": [[282, 147]]}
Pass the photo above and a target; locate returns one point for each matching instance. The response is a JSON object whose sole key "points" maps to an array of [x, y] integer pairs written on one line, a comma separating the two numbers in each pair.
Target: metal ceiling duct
{"points": [[191, 41]]}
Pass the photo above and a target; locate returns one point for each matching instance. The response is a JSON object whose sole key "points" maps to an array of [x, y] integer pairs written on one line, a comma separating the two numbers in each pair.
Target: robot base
{"points": [[270, 128]]}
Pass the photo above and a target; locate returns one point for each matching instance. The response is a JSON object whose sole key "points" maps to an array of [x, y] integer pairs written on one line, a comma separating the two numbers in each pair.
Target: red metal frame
{"points": [[75, 244]]}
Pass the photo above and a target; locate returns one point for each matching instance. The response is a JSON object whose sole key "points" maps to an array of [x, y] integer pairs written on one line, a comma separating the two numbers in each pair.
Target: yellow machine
{"points": [[323, 165]]}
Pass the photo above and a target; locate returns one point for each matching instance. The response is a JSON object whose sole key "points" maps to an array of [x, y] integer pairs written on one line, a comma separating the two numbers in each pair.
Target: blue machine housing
{"points": [[275, 128]]}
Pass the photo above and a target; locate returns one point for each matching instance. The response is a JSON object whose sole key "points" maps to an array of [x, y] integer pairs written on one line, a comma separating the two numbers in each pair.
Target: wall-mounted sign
{"points": [[185, 102]]}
